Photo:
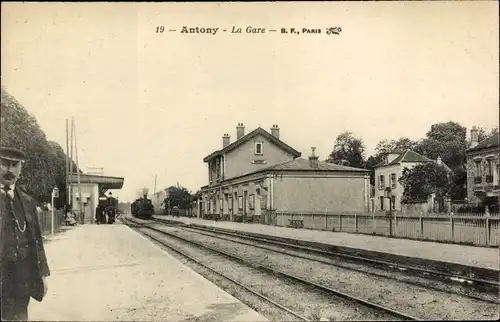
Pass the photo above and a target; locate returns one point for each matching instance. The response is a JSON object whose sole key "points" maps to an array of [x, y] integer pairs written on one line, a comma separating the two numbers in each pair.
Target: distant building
{"points": [[259, 174], [389, 171], [158, 200], [482, 172]]}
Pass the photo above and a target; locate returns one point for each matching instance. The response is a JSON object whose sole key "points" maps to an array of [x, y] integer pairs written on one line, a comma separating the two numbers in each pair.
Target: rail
{"points": [[327, 257], [323, 288], [213, 270]]}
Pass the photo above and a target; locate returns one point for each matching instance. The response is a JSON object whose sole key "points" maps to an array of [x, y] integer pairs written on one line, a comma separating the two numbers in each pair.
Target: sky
{"points": [[149, 104]]}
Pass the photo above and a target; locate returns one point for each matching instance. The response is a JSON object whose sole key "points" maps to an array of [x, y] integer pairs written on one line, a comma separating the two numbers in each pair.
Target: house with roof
{"points": [[482, 172], [259, 174], [388, 172]]}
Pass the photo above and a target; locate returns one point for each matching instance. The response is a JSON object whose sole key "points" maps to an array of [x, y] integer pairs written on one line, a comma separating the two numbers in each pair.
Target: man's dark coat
{"points": [[41, 267]]}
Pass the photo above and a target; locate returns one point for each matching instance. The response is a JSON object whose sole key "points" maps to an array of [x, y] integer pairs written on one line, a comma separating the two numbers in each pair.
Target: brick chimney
{"points": [[474, 138], [313, 159], [240, 131], [225, 140], [275, 131]]}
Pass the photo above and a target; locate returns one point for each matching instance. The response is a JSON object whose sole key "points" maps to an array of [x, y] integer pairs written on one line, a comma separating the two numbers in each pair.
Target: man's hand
{"points": [[45, 285]]}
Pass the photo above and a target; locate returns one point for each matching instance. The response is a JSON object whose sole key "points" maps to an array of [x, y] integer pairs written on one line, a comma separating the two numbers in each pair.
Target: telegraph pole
{"points": [[78, 174], [155, 197], [68, 192], [71, 168]]}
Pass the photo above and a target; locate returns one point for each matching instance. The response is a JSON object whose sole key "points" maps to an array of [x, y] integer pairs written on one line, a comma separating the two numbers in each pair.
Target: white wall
{"points": [[398, 190]]}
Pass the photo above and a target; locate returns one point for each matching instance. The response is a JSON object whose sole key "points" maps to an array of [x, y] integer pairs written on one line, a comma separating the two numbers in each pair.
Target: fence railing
{"points": [[465, 229], [45, 221]]}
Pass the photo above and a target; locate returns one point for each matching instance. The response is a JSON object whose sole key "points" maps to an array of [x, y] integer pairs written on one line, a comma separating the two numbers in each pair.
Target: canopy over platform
{"points": [[104, 182]]}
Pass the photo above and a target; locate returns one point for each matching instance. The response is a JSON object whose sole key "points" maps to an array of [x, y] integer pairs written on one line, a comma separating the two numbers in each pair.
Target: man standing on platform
{"points": [[22, 256]]}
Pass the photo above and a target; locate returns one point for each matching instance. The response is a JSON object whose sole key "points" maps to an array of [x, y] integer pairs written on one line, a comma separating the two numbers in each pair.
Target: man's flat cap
{"points": [[12, 154]]}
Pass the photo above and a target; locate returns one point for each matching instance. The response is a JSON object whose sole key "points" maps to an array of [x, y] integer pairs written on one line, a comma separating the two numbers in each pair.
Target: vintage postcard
{"points": [[260, 161]]}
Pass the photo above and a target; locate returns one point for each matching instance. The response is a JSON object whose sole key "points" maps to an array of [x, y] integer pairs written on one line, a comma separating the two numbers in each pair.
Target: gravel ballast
{"points": [[309, 302], [388, 272], [417, 301]]}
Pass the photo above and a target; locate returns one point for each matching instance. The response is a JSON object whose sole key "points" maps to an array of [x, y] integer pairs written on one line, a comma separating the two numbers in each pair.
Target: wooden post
{"points": [[390, 224], [52, 214], [356, 222], [340, 222], [421, 221], [326, 219], [314, 223], [452, 229], [488, 231]]}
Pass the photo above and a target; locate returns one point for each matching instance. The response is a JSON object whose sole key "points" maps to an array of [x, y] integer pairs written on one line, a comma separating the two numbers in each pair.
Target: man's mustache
{"points": [[9, 176]]}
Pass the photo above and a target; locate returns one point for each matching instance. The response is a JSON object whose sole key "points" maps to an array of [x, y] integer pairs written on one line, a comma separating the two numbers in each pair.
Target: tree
{"points": [[424, 180], [384, 147], [178, 196], [196, 196], [483, 134], [20, 130], [458, 180], [45, 165], [446, 140], [348, 150], [449, 141]]}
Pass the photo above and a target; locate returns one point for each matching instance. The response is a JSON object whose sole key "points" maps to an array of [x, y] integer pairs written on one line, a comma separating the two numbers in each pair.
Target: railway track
{"points": [[285, 316], [460, 305], [308, 290], [399, 272], [462, 285]]}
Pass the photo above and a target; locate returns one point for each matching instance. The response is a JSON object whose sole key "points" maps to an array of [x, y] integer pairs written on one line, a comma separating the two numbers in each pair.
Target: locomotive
{"points": [[142, 208]]}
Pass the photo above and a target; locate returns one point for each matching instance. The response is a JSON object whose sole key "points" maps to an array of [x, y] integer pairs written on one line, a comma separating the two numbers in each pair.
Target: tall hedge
{"points": [[45, 165]]}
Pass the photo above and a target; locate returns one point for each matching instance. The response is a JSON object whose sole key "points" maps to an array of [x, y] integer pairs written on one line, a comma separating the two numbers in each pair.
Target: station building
{"points": [[259, 175]]}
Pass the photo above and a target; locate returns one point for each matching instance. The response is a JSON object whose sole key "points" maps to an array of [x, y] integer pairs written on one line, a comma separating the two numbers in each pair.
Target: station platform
{"points": [[111, 273], [480, 257]]}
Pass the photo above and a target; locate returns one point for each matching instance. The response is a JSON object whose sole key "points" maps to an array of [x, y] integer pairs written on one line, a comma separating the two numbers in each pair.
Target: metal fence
{"points": [[45, 220], [455, 228]]}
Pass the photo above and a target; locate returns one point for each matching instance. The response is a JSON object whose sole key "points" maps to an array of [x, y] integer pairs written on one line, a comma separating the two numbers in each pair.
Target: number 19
{"points": [[160, 29]]}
